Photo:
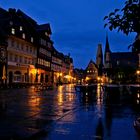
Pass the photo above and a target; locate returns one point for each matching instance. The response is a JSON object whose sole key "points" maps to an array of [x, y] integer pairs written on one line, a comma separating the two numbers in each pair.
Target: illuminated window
{"points": [[20, 28], [46, 34], [23, 35], [13, 31], [32, 39]]}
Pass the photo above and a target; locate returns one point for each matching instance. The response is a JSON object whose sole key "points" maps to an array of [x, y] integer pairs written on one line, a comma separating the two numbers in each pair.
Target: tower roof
{"points": [[107, 48]]}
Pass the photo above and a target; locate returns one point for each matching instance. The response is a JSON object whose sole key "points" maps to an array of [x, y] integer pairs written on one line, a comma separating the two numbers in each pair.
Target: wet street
{"points": [[65, 114]]}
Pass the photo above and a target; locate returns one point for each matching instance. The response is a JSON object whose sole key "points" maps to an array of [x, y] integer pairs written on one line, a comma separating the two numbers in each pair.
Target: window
{"points": [[16, 57], [20, 59], [12, 43], [20, 28], [22, 47], [11, 22], [17, 45], [25, 60], [31, 61], [43, 42], [49, 45], [46, 34], [23, 35], [10, 57], [118, 62], [13, 31], [32, 39], [33, 49], [17, 76], [30, 49], [26, 48]]}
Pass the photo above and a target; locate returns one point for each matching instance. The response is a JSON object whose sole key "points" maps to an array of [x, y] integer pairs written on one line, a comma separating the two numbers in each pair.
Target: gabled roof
{"points": [[44, 27], [91, 63], [26, 17], [3, 13]]}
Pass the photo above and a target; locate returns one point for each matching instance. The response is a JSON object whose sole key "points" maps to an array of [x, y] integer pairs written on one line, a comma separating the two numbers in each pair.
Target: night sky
{"points": [[77, 25]]}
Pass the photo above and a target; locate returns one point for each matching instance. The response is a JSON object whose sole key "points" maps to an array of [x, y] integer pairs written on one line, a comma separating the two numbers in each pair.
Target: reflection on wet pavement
{"points": [[65, 114], [94, 118]]}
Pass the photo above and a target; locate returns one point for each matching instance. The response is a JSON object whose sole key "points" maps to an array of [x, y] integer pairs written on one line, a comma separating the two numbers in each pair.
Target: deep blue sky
{"points": [[77, 25]]}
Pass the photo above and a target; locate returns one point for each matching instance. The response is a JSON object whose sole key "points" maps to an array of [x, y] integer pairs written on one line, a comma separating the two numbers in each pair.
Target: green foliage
{"points": [[126, 19]]}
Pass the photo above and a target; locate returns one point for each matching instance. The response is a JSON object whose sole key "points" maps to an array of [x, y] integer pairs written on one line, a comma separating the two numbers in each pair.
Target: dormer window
{"points": [[21, 28], [23, 35], [13, 31], [32, 39]]}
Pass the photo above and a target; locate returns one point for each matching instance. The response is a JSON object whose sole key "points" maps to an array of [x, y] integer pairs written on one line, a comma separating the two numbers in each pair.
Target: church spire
{"points": [[107, 54], [99, 59], [99, 56], [107, 48]]}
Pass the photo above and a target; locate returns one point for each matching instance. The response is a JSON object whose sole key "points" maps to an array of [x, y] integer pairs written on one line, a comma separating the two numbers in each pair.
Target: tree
{"points": [[126, 20]]}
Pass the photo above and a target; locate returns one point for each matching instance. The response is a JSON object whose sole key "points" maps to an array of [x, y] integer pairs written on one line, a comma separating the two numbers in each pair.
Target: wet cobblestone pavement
{"points": [[65, 115]]}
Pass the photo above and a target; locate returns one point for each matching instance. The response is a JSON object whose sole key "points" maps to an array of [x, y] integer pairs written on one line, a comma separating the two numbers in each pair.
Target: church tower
{"points": [[107, 55], [99, 59]]}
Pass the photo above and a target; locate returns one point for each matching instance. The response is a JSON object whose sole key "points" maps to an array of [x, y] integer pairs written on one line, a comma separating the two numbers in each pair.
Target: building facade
{"points": [[91, 72], [120, 67], [27, 52], [44, 55], [3, 58]]}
